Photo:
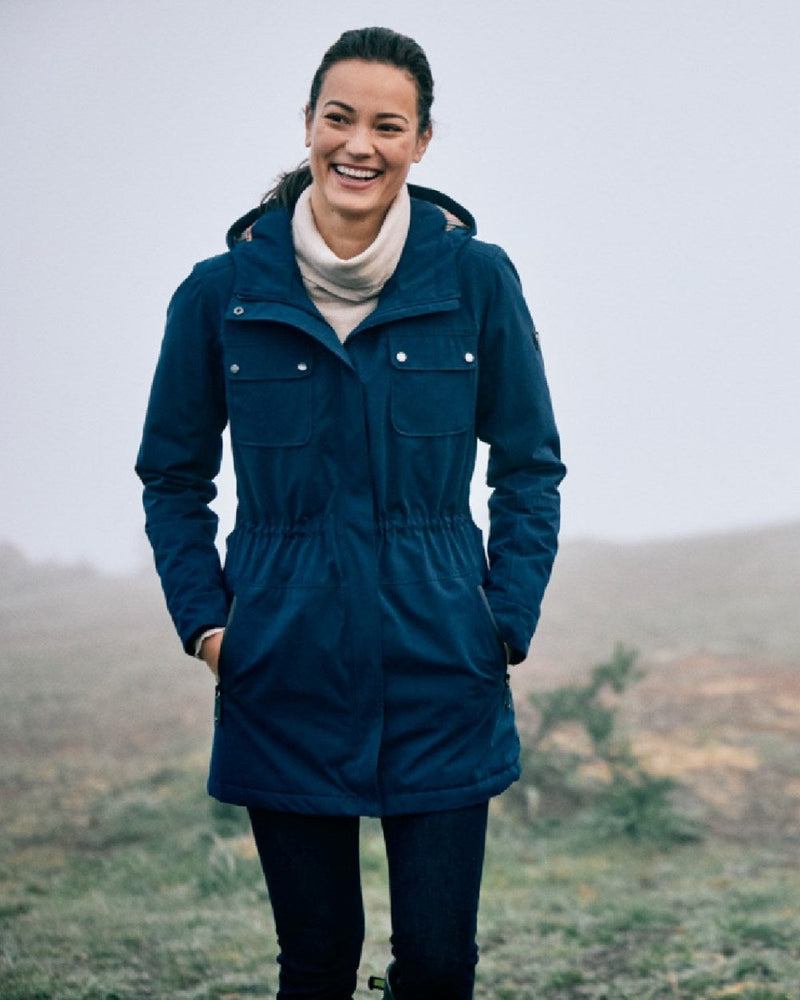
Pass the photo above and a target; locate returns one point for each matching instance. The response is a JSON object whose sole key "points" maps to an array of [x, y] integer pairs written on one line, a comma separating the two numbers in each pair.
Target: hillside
{"points": [[715, 620], [729, 594], [118, 872]]}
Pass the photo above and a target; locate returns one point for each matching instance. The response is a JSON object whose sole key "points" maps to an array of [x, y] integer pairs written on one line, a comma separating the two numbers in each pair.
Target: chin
{"points": [[358, 204]]}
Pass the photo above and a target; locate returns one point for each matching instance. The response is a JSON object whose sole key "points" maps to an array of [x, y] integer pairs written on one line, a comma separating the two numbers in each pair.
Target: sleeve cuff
{"points": [[198, 642]]}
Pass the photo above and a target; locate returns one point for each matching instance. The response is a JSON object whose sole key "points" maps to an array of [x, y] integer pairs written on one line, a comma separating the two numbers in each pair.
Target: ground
{"points": [[119, 879]]}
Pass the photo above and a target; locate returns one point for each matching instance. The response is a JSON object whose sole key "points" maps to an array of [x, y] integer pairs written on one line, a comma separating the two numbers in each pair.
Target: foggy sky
{"points": [[638, 160]]}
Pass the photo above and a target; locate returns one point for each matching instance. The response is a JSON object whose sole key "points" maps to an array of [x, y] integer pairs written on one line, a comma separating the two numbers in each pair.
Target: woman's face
{"points": [[363, 137]]}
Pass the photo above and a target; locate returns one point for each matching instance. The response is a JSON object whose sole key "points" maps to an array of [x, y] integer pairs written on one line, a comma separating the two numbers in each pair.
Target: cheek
{"points": [[319, 140], [313, 140], [404, 158]]}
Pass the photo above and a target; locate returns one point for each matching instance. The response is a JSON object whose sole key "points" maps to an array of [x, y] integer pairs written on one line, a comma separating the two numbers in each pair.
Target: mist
{"points": [[638, 161]]}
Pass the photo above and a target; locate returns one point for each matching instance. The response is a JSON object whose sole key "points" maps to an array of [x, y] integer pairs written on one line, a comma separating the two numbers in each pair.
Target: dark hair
{"points": [[380, 45]]}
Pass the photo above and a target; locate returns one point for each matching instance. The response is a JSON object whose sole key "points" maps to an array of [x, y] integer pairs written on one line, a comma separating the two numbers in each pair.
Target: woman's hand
{"points": [[209, 651]]}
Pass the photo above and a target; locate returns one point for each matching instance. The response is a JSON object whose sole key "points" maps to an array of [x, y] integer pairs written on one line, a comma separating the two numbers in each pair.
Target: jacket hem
{"points": [[440, 799], [336, 804]]}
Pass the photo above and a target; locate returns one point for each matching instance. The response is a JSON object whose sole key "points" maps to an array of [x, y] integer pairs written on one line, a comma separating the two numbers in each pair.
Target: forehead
{"points": [[370, 85]]}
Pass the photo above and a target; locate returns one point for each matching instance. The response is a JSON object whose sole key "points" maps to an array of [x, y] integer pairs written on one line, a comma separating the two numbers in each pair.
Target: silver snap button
{"points": [[238, 310], [302, 367], [401, 356], [234, 369], [469, 357]]}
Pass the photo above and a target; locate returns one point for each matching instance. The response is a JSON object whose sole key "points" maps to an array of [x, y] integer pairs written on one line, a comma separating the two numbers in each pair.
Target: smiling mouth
{"points": [[356, 173]]}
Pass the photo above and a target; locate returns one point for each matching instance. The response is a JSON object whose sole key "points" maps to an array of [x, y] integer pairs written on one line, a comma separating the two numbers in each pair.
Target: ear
{"points": [[422, 143], [309, 116]]}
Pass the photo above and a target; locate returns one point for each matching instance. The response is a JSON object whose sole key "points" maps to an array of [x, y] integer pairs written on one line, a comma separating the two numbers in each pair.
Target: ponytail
{"points": [[287, 189]]}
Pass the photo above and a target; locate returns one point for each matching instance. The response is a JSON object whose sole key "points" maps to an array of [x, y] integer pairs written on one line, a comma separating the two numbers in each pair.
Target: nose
{"points": [[359, 142]]}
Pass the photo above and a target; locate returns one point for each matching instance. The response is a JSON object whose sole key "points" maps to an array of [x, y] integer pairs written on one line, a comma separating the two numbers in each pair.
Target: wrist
{"points": [[205, 634]]}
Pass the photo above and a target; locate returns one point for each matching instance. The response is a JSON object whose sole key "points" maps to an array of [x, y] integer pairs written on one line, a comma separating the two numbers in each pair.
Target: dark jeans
{"points": [[311, 866]]}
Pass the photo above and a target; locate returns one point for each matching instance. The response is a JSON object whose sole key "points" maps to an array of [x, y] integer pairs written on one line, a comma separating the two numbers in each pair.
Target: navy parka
{"points": [[363, 666]]}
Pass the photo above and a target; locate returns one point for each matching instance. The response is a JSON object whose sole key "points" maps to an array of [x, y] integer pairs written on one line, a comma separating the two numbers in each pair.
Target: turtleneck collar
{"points": [[360, 277]]}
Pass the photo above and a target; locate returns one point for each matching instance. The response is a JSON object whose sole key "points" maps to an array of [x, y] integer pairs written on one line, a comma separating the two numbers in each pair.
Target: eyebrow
{"points": [[381, 114]]}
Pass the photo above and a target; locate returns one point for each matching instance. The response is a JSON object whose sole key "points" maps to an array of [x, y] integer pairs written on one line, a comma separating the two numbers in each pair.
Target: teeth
{"points": [[356, 174]]}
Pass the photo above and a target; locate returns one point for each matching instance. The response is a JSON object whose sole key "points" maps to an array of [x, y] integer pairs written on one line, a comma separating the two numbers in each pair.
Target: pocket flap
{"points": [[433, 353], [268, 359]]}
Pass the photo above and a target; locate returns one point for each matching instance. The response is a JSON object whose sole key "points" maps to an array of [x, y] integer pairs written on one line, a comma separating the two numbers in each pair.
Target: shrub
{"points": [[576, 761]]}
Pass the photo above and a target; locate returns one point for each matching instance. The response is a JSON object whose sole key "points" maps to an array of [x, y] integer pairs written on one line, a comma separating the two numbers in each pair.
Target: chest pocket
{"points": [[269, 382], [433, 385]]}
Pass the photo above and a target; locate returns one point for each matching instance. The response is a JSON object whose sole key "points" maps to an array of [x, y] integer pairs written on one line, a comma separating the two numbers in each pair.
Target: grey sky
{"points": [[638, 160]]}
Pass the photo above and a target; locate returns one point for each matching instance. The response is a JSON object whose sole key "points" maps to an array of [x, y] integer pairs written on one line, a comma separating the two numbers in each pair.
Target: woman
{"points": [[358, 340]]}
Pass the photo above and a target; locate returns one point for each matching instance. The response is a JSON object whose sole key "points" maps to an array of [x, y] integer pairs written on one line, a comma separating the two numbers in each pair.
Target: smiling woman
{"points": [[364, 135], [358, 341]]}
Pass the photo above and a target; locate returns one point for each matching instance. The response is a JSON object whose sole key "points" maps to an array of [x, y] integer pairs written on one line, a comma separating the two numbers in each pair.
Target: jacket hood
{"points": [[456, 215]]}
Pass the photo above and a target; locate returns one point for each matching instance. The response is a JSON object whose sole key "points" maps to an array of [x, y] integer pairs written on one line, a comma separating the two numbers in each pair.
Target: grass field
{"points": [[147, 891], [120, 879]]}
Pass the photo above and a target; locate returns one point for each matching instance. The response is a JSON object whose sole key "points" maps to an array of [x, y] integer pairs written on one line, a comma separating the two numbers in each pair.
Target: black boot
{"points": [[383, 983]]}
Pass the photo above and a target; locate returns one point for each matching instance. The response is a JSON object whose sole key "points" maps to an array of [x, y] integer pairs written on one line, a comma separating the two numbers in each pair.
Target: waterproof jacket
{"points": [[363, 668]]}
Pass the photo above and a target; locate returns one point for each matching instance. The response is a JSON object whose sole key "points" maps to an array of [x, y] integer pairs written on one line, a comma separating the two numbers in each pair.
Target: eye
{"points": [[388, 127], [336, 117]]}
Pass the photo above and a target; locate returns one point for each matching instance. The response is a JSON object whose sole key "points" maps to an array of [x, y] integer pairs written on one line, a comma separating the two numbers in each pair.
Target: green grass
{"points": [[150, 890], [627, 921]]}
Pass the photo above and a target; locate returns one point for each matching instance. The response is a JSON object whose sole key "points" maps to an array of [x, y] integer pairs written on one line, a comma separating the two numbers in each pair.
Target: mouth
{"points": [[357, 175]]}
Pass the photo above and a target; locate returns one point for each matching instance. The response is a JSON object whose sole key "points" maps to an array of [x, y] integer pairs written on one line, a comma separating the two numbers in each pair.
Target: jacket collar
{"points": [[268, 283]]}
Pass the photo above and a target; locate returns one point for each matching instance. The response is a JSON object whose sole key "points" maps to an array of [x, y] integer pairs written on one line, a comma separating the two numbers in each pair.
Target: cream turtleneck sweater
{"points": [[346, 291]]}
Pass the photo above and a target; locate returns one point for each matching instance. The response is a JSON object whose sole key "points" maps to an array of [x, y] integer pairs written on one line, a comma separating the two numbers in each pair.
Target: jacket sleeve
{"points": [[515, 417], [181, 451]]}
